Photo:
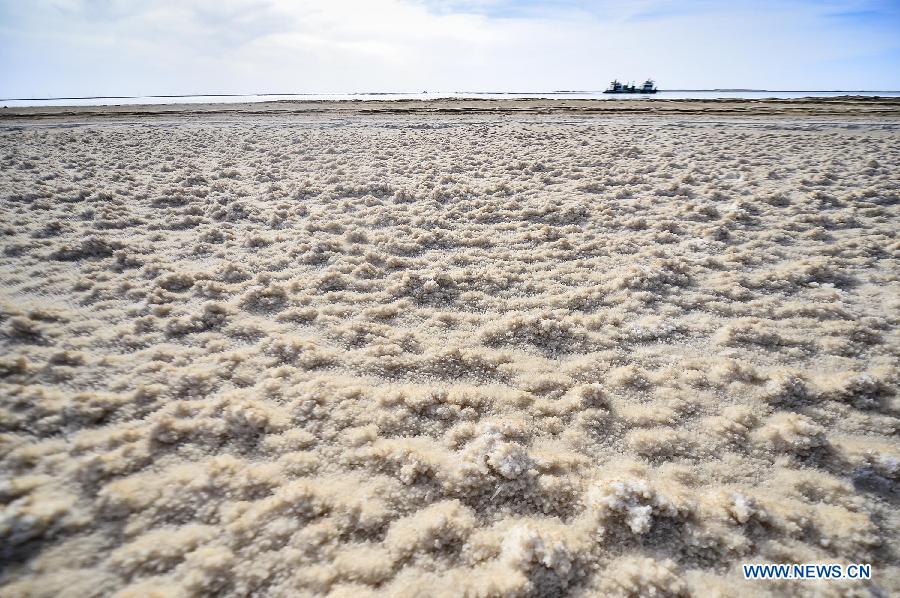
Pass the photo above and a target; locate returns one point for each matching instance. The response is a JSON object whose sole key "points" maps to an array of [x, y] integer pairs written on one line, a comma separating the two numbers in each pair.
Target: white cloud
{"points": [[86, 47]]}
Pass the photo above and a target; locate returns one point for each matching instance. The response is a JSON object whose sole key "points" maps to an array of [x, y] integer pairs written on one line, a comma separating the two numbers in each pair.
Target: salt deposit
{"points": [[492, 353]]}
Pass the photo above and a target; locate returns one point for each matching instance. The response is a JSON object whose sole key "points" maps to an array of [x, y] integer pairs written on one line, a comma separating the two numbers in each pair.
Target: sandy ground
{"points": [[448, 348]]}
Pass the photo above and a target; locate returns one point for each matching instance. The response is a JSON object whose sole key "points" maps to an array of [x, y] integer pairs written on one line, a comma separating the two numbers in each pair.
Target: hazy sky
{"points": [[134, 47]]}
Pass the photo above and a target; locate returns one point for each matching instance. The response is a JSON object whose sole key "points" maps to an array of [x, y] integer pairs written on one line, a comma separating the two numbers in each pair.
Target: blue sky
{"points": [[125, 47]]}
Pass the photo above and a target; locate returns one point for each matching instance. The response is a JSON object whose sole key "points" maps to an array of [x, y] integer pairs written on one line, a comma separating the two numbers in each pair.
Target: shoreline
{"points": [[844, 106]]}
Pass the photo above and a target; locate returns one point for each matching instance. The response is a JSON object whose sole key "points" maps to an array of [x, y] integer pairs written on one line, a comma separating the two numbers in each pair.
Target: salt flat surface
{"points": [[441, 353]]}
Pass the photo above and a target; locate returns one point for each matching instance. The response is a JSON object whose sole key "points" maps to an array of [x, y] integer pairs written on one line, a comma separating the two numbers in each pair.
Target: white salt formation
{"points": [[448, 353]]}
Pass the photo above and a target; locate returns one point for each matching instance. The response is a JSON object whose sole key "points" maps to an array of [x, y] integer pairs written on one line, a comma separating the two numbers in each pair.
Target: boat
{"points": [[616, 87]]}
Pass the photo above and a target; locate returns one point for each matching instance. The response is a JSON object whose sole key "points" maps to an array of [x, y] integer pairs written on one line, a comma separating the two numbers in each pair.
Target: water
{"points": [[706, 94]]}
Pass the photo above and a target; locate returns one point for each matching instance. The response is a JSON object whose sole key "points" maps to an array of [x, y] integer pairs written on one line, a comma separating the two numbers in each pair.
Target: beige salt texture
{"points": [[483, 354]]}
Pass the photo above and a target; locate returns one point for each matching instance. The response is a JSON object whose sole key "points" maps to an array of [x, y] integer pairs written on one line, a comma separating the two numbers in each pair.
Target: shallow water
{"points": [[562, 95]]}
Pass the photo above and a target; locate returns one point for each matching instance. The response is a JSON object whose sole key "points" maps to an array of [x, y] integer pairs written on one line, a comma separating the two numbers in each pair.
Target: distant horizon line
{"points": [[389, 93]]}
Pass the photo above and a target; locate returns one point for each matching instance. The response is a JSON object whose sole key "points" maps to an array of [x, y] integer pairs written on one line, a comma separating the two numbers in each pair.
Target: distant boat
{"points": [[615, 87]]}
